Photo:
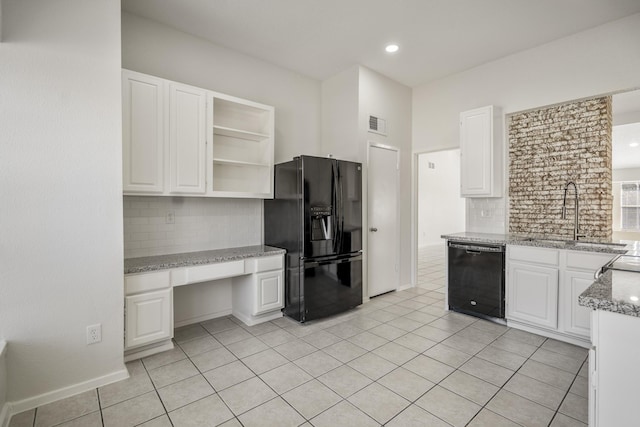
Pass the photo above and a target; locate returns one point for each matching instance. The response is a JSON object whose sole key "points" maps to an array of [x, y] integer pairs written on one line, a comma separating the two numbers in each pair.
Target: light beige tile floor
{"points": [[398, 360]]}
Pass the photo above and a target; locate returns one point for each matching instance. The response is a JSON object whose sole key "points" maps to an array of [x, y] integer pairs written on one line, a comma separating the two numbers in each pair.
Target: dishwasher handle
{"points": [[477, 249]]}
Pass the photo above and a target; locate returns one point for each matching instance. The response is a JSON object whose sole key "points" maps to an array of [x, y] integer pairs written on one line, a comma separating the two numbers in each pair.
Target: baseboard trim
{"points": [[404, 287], [203, 318], [148, 350], [52, 396], [5, 415], [261, 318], [580, 342]]}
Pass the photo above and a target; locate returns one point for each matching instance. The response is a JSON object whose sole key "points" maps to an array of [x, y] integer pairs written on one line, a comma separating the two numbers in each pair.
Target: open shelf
{"points": [[242, 116], [241, 178], [218, 161], [242, 149], [238, 133]]}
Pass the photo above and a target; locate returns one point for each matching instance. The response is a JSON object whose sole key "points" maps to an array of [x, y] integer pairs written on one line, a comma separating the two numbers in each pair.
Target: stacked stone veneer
{"points": [[547, 148]]}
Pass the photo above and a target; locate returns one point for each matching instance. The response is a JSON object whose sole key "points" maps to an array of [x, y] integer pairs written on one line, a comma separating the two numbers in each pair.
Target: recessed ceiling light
{"points": [[392, 48], [633, 298], [634, 144]]}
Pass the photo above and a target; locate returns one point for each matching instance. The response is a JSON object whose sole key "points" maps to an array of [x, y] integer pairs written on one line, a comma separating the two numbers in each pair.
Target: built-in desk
{"points": [[149, 282]]}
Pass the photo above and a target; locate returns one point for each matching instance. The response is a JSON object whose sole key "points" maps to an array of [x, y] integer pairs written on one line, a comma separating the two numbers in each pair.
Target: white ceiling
{"points": [[320, 38]]}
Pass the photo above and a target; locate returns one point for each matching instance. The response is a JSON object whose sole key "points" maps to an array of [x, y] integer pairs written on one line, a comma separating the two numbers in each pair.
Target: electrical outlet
{"points": [[94, 334], [170, 218]]}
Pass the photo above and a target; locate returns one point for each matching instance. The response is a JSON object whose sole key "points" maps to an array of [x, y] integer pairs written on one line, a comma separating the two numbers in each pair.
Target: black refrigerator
{"points": [[316, 215]]}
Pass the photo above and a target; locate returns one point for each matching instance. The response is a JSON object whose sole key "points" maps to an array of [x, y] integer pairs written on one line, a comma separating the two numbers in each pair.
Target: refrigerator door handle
{"points": [[341, 219], [336, 207], [339, 207]]}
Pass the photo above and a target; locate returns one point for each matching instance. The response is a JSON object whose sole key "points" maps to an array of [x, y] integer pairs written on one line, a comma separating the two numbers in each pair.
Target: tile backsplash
{"points": [[486, 215], [198, 224]]}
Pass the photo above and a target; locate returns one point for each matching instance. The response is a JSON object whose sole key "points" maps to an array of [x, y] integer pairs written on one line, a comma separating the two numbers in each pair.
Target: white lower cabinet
{"points": [[613, 370], [575, 317], [269, 292], [533, 294], [148, 308], [542, 289], [148, 318], [259, 297]]}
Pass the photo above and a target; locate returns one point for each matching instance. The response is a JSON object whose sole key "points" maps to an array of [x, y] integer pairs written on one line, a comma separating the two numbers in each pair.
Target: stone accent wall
{"points": [[547, 148]]}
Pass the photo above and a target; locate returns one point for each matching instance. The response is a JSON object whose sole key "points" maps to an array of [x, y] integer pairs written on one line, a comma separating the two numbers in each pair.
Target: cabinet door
{"points": [[576, 319], [142, 133], [269, 292], [533, 294], [476, 139], [592, 388], [149, 318], [187, 140]]}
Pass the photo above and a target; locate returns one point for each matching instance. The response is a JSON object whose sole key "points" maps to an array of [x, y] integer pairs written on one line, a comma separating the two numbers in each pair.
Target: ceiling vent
{"points": [[377, 125]]}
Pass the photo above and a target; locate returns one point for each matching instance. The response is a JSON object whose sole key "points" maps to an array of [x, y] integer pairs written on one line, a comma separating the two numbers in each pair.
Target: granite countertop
{"points": [[615, 291], [553, 242], [187, 259]]}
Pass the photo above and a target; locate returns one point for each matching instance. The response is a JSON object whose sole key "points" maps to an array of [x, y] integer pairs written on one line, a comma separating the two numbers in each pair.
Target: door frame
{"points": [[415, 162], [370, 145]]}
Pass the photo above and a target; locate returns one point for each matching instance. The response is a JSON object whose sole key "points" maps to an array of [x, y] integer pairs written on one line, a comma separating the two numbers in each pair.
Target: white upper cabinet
{"points": [[481, 153], [187, 141], [184, 140], [143, 133]]}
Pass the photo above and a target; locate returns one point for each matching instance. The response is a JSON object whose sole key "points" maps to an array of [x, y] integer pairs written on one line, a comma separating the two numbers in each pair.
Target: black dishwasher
{"points": [[476, 279]]}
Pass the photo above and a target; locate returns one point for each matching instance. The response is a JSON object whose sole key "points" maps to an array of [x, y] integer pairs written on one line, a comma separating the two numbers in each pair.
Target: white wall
{"points": [[348, 99], [597, 61], [4, 408], [390, 100], [440, 207], [61, 212], [340, 116], [628, 174], [156, 49]]}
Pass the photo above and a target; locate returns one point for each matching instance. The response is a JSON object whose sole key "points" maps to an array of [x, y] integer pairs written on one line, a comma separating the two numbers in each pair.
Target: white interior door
{"points": [[384, 229]]}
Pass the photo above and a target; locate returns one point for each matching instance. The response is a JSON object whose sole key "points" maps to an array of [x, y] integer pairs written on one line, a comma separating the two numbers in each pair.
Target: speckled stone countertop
{"points": [[186, 259], [615, 291], [552, 242]]}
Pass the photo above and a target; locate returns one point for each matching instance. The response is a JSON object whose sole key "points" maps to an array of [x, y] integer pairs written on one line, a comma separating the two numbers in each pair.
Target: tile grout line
{"points": [[157, 393], [566, 394]]}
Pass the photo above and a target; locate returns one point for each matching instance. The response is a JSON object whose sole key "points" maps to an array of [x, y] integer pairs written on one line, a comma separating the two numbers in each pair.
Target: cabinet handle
{"points": [[373, 229]]}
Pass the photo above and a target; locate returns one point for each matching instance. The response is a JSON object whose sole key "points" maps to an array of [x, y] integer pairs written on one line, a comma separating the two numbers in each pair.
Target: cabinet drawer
{"points": [[204, 273], [143, 282], [256, 265], [269, 263], [535, 255], [587, 260]]}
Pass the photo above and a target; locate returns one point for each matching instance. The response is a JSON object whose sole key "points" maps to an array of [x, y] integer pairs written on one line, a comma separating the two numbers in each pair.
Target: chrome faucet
{"points": [[576, 234]]}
